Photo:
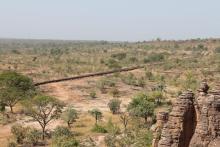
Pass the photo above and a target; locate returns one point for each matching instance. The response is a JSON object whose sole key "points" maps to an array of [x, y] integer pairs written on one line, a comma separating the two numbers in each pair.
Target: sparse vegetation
{"points": [[170, 68]]}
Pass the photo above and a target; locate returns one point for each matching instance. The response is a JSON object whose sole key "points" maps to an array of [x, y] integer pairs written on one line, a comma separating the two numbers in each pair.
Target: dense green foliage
{"points": [[14, 87], [141, 106]]}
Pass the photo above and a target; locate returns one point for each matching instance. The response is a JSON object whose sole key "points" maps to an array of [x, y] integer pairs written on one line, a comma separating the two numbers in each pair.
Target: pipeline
{"points": [[89, 75]]}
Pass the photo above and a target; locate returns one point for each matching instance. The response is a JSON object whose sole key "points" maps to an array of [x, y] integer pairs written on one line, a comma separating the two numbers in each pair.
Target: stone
{"points": [[193, 122]]}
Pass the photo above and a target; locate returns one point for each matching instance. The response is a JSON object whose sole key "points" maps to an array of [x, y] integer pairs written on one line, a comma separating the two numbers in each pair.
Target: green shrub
{"points": [[112, 128], [104, 83], [114, 92], [129, 79], [19, 133], [141, 82], [133, 59], [157, 96], [199, 47], [99, 129], [69, 142], [65, 142], [149, 75], [97, 114], [141, 106], [119, 56], [33, 136], [217, 50], [112, 63], [110, 140], [114, 105], [12, 144], [190, 82], [155, 57], [61, 131], [14, 51], [70, 115], [92, 94], [63, 137], [25, 134]]}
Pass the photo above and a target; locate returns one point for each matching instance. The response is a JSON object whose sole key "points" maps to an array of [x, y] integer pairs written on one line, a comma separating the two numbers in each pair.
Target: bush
{"points": [[141, 106], [69, 116], [19, 133], [63, 137], [141, 82], [112, 128], [99, 129], [149, 75], [114, 105], [104, 83], [129, 79], [190, 82], [112, 63], [71, 142], [217, 50], [119, 56], [133, 59], [25, 134], [92, 94], [12, 144], [33, 136], [157, 96], [61, 131], [114, 92], [156, 57], [97, 114], [110, 140]]}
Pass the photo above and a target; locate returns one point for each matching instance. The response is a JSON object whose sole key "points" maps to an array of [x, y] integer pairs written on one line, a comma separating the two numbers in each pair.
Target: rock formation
{"points": [[193, 122], [162, 118]]}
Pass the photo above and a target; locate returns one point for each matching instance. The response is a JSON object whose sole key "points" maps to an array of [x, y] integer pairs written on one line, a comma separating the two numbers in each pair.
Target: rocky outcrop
{"points": [[162, 118], [207, 133], [193, 122]]}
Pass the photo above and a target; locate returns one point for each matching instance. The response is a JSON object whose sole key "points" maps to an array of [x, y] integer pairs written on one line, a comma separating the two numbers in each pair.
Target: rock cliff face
{"points": [[193, 122]]}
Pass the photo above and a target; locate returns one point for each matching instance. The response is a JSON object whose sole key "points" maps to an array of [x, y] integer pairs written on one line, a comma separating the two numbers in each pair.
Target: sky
{"points": [[111, 20]]}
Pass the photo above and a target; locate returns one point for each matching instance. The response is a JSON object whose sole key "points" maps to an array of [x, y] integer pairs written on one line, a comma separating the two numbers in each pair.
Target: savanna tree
{"points": [[43, 109], [69, 116], [15, 87], [97, 114], [141, 106]]}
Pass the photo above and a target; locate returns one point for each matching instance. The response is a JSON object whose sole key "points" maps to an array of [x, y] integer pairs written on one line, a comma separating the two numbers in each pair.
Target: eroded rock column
{"points": [[207, 133], [177, 132]]}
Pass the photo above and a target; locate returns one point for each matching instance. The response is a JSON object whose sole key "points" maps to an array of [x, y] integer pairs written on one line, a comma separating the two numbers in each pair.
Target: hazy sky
{"points": [[124, 20]]}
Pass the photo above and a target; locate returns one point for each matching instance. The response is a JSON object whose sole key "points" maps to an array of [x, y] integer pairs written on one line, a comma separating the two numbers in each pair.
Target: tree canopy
{"points": [[97, 114], [15, 87], [141, 106], [43, 109], [69, 116]]}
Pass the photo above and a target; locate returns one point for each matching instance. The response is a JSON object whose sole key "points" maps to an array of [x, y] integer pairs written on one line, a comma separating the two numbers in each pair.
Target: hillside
{"points": [[170, 68]]}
